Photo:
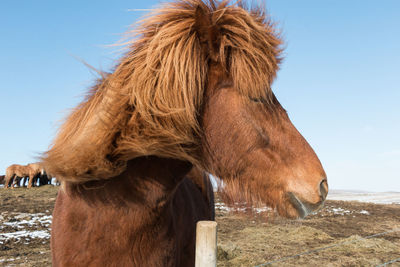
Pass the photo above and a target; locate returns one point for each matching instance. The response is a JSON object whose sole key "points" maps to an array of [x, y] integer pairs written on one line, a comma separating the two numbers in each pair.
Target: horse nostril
{"points": [[323, 189]]}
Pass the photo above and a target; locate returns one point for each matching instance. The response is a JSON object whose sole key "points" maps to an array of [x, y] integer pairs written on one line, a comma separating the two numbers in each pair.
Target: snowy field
{"points": [[369, 197], [22, 227], [25, 227]]}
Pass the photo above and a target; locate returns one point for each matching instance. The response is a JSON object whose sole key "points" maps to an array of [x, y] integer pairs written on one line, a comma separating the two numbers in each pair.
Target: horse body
{"points": [[14, 173], [35, 171], [193, 90], [144, 217]]}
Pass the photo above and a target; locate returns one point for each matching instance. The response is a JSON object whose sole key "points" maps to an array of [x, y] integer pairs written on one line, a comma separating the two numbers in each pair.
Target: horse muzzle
{"points": [[304, 207]]}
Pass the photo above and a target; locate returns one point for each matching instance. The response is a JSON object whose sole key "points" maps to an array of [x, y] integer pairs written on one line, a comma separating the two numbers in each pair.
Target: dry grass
{"points": [[245, 240]]}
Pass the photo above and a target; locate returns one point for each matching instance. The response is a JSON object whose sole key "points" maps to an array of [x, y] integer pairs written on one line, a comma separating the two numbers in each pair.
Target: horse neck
{"points": [[144, 187]]}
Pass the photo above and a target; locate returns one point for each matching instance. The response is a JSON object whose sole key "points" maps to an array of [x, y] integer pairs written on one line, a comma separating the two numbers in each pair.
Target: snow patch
{"points": [[30, 220], [24, 234], [24, 225], [241, 208], [341, 211]]}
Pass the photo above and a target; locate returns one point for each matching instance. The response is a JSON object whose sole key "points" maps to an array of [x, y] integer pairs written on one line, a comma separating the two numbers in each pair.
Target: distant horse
{"points": [[14, 174], [2, 178], [44, 178], [194, 89], [35, 172]]}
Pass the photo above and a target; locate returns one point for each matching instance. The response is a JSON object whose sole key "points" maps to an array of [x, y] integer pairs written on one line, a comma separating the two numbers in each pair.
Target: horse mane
{"points": [[150, 104]]}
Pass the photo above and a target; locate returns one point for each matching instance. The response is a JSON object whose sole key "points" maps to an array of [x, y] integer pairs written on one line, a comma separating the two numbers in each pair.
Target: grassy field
{"points": [[243, 240]]}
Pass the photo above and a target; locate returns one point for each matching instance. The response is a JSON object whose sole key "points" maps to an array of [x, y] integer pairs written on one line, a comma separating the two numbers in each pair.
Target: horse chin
{"points": [[298, 208]]}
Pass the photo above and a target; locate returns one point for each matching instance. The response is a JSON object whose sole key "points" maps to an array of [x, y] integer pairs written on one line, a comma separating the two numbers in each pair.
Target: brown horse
{"points": [[14, 174], [35, 172], [193, 89]]}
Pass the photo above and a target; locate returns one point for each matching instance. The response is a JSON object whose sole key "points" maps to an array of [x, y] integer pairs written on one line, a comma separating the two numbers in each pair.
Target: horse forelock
{"points": [[150, 104]]}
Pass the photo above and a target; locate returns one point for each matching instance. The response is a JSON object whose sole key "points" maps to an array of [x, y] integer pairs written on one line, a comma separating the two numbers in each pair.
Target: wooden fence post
{"points": [[206, 244]]}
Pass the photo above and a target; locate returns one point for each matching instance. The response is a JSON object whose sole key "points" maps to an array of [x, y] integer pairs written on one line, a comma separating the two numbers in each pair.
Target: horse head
{"points": [[249, 140]]}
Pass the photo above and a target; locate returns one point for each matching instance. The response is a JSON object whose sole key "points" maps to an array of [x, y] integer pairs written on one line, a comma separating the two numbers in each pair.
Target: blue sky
{"points": [[340, 80]]}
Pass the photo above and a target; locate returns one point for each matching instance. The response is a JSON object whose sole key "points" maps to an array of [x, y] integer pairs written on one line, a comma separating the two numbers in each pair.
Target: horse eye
{"points": [[257, 100]]}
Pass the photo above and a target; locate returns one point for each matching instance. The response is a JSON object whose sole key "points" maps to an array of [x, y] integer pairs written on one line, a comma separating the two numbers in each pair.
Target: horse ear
{"points": [[209, 33]]}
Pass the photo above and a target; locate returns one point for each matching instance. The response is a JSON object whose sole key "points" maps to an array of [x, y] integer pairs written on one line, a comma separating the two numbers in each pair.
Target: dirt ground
{"points": [[333, 237]]}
